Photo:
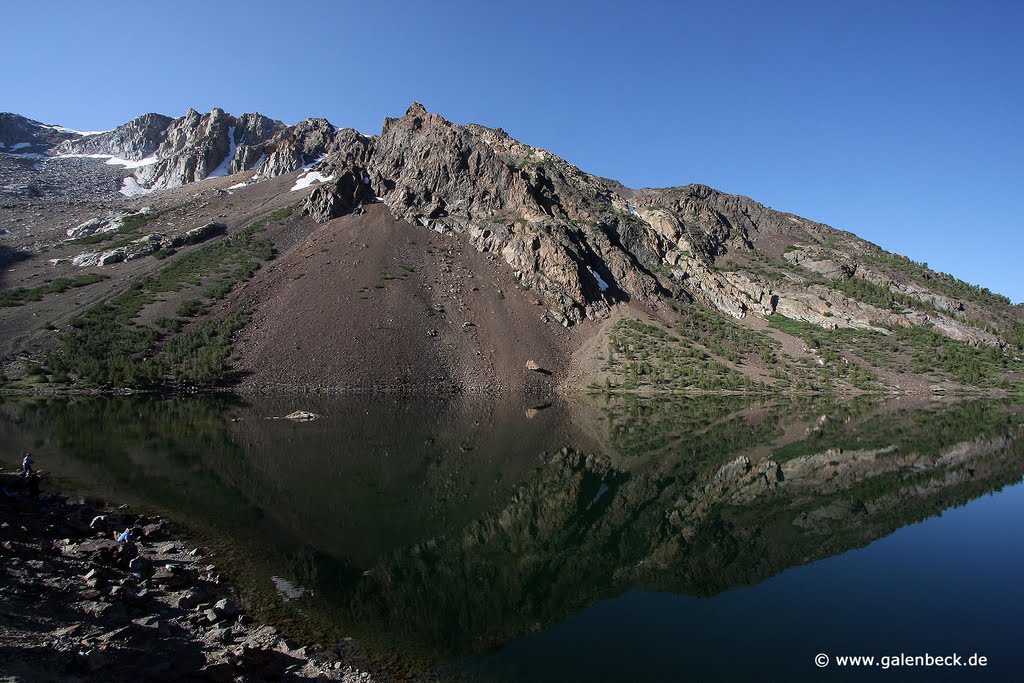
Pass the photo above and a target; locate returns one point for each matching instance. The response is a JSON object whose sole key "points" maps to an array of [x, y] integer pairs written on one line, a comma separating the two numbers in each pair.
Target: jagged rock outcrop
{"points": [[583, 242], [553, 224], [709, 223], [146, 245], [252, 131], [348, 190], [297, 147], [191, 148], [195, 146], [135, 140]]}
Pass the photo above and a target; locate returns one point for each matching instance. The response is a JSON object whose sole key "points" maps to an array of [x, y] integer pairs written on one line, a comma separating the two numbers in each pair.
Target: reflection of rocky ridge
{"points": [[582, 531], [476, 550]]}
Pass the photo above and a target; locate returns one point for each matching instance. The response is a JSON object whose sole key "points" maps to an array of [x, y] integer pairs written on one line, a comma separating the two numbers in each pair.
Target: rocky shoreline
{"points": [[78, 605]]}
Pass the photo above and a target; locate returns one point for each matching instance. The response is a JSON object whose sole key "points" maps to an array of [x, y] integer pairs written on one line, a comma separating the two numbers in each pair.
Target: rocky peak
{"points": [[553, 224], [255, 128], [252, 133], [134, 140], [197, 146], [296, 147], [416, 110], [21, 135]]}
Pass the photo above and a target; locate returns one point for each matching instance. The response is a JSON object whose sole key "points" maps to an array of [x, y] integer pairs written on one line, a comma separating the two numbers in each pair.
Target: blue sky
{"points": [[900, 121]]}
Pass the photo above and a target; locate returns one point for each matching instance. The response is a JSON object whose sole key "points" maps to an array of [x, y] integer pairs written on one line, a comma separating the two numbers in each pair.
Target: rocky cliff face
{"points": [[584, 242], [135, 140], [556, 226], [198, 146]]}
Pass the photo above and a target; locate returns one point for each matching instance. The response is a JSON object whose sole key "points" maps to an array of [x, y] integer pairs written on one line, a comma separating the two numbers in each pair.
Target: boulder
{"points": [[225, 608]]}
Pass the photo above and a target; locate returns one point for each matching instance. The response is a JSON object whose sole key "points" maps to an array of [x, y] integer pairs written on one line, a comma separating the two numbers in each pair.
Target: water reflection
{"points": [[437, 530]]}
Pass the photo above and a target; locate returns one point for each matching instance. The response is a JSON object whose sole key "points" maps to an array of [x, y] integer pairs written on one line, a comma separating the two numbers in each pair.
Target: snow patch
{"points": [[20, 145], [112, 160], [83, 133], [84, 156], [148, 161], [225, 165], [130, 187], [308, 178], [600, 280], [238, 186]]}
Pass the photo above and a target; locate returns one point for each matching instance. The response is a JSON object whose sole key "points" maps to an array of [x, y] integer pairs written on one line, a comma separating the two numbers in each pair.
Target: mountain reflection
{"points": [[446, 528]]}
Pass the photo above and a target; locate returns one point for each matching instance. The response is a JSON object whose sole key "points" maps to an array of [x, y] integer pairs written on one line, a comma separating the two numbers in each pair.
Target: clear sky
{"points": [[901, 121]]}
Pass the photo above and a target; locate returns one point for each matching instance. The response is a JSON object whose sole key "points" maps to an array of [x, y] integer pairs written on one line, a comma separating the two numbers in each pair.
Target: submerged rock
{"points": [[299, 416]]}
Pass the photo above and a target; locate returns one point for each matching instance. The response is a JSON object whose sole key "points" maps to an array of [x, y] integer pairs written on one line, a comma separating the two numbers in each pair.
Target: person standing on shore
{"points": [[26, 464]]}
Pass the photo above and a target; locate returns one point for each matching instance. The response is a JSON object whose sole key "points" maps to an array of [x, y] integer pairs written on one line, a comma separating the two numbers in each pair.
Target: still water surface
{"points": [[601, 540]]}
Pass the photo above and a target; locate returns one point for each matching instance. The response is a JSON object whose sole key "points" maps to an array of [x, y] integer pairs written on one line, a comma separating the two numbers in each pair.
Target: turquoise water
{"points": [[603, 540]]}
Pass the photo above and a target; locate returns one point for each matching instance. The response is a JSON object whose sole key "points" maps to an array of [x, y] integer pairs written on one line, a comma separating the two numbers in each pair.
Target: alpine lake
{"points": [[703, 538]]}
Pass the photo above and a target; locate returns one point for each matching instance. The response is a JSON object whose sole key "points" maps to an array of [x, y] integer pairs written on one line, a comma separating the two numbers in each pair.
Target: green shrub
{"points": [[189, 308], [21, 295]]}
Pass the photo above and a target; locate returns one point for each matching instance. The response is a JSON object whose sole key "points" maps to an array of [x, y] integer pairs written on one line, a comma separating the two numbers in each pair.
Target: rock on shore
{"points": [[77, 605]]}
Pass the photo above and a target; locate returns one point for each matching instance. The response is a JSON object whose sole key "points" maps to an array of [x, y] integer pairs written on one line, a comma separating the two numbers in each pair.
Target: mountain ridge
{"points": [[582, 248]]}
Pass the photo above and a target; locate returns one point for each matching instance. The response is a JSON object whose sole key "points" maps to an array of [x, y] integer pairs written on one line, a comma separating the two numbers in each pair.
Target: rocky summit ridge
{"points": [[584, 247]]}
